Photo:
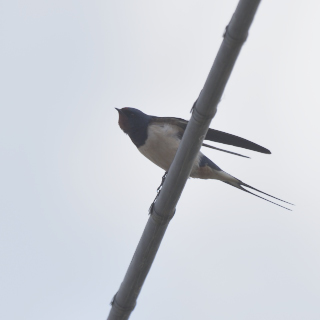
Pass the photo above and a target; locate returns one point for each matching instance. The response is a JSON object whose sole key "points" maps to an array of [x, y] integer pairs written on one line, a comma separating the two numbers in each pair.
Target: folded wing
{"points": [[227, 138], [215, 135]]}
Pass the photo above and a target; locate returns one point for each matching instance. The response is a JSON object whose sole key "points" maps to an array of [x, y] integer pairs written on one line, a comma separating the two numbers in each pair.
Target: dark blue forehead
{"points": [[134, 111], [136, 117]]}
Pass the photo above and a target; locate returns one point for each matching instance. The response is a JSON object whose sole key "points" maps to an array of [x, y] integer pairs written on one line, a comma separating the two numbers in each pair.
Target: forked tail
{"points": [[241, 184]]}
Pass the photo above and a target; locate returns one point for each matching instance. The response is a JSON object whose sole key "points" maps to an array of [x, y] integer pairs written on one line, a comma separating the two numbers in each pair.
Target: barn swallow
{"points": [[158, 138]]}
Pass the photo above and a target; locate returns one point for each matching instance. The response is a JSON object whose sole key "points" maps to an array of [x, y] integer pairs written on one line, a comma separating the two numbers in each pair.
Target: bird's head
{"points": [[132, 120]]}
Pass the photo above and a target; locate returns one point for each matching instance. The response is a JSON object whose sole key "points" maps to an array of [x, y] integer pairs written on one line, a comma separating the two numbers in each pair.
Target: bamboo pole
{"points": [[204, 110]]}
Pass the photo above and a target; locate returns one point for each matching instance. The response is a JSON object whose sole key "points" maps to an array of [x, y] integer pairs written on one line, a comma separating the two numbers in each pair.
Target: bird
{"points": [[158, 139]]}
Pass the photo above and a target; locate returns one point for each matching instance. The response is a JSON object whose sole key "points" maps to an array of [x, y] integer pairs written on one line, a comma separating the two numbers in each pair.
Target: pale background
{"points": [[75, 192]]}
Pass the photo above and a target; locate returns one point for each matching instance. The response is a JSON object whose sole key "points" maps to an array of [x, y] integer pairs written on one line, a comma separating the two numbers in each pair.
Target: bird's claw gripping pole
{"points": [[158, 192]]}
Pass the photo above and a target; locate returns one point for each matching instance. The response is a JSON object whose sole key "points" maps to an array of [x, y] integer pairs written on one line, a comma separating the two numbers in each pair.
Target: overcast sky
{"points": [[75, 191]]}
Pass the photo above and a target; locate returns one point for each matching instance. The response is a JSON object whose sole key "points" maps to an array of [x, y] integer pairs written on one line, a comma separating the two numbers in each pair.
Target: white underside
{"points": [[162, 145]]}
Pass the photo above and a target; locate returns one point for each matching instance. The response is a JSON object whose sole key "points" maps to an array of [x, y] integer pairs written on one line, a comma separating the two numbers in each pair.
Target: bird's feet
{"points": [[158, 192]]}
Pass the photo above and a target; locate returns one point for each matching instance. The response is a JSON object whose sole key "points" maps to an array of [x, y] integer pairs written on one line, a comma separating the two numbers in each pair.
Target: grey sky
{"points": [[70, 177]]}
